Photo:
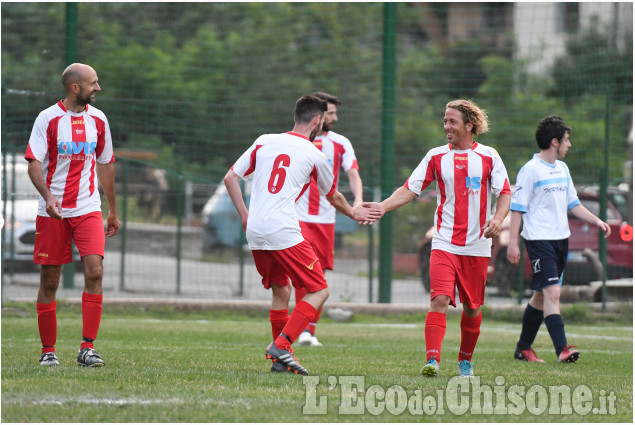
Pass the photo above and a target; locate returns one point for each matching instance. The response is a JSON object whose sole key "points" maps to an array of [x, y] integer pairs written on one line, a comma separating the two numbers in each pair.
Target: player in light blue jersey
{"points": [[543, 195]]}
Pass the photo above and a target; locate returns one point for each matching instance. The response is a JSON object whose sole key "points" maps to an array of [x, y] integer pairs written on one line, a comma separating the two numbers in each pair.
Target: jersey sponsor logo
{"points": [[473, 182], [77, 122], [76, 148], [535, 264], [310, 266], [42, 254], [555, 189]]}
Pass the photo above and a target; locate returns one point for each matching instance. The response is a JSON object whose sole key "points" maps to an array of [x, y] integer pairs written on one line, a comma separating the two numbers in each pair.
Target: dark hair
{"points": [[328, 97], [549, 128], [308, 107]]}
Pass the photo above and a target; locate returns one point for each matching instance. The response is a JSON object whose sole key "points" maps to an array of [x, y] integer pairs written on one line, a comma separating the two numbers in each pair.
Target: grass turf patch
{"points": [[172, 366]]}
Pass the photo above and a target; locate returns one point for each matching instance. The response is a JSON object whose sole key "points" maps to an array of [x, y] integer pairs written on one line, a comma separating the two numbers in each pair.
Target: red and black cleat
{"points": [[284, 358]]}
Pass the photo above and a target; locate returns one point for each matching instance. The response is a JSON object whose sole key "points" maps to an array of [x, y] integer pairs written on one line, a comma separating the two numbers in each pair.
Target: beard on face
{"points": [[84, 98], [314, 133]]}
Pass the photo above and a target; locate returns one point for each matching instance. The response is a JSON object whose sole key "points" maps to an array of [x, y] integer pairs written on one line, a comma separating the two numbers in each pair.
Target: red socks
{"points": [[434, 331], [47, 324], [91, 315], [314, 321], [299, 294], [470, 331], [278, 319], [302, 314]]}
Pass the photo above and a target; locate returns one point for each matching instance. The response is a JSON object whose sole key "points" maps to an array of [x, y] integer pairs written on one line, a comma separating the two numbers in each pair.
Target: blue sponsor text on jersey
{"points": [[68, 148]]}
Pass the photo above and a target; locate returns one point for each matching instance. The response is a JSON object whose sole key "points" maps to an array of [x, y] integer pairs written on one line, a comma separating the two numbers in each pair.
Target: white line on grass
{"points": [[587, 336], [94, 401]]}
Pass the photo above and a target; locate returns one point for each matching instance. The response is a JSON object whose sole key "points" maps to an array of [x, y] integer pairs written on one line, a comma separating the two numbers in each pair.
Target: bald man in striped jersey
{"points": [[69, 152]]}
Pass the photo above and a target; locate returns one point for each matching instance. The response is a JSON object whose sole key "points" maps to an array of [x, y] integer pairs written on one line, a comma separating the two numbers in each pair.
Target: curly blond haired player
{"points": [[466, 173]]}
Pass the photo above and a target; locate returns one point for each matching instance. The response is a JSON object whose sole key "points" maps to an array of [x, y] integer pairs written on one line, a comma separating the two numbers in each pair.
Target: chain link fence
{"points": [[188, 87]]}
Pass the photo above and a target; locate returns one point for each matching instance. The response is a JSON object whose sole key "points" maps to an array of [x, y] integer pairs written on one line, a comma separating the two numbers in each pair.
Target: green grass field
{"points": [[167, 366]]}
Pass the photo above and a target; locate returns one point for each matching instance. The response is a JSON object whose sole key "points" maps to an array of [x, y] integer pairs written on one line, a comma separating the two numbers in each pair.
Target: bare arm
{"points": [[53, 205], [365, 213], [399, 198], [232, 183], [106, 174], [494, 225], [513, 250], [584, 214], [355, 182]]}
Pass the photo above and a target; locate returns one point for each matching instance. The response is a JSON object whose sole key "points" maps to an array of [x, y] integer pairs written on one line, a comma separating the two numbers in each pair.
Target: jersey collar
{"points": [[63, 108], [297, 134], [473, 147]]}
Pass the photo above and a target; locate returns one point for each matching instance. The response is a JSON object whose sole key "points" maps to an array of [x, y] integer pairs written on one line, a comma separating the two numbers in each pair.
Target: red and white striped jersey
{"points": [[69, 144], [313, 208], [282, 165], [465, 181]]}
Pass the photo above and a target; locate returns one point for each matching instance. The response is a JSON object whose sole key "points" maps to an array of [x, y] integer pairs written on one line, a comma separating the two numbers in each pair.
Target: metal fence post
{"points": [[387, 149], [179, 223], [68, 270], [4, 209], [124, 216], [241, 252]]}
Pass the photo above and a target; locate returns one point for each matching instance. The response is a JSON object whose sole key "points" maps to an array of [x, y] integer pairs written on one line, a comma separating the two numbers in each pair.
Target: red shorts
{"points": [[322, 238], [298, 263], [53, 238], [463, 272]]}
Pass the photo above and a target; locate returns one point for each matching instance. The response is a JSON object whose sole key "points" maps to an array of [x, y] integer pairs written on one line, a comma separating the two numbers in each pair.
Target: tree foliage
{"points": [[198, 82]]}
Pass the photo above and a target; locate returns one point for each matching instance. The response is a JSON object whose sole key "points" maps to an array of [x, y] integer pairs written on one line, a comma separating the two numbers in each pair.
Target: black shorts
{"points": [[548, 260]]}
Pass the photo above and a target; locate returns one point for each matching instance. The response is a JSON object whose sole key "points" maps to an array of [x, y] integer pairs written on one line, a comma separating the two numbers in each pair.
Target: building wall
{"points": [[541, 29]]}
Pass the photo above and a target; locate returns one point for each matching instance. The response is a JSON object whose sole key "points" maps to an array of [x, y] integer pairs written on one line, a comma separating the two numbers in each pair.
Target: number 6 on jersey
{"points": [[278, 174]]}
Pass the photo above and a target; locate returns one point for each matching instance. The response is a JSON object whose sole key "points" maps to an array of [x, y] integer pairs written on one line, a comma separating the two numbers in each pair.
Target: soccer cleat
{"points": [[285, 358], [315, 342], [568, 355], [527, 355], [305, 338], [277, 367], [431, 368], [465, 368], [49, 359], [90, 358]]}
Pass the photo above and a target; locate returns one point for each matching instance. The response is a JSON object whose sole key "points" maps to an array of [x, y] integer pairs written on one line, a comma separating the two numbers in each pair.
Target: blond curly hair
{"points": [[471, 113]]}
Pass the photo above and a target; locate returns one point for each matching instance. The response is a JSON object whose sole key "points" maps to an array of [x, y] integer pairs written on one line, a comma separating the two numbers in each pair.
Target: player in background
{"points": [[71, 141], [466, 173], [543, 194], [283, 166], [316, 214]]}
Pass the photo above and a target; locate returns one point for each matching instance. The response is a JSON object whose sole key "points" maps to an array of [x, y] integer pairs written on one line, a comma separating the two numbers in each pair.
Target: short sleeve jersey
{"points": [[465, 181], [69, 145], [282, 166], [313, 208], [544, 193]]}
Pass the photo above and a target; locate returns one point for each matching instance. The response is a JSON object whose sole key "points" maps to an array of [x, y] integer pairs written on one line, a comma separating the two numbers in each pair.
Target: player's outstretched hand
{"points": [[492, 228], [368, 212], [605, 228]]}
